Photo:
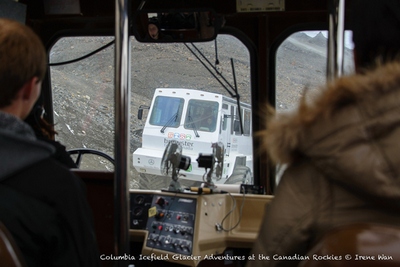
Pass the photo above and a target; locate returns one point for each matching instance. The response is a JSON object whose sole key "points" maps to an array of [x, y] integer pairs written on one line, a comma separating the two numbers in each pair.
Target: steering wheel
{"points": [[81, 151]]}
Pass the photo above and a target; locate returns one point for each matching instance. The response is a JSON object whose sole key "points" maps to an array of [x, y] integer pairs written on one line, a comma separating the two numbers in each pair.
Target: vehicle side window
{"points": [[83, 97], [301, 64], [246, 122], [237, 129], [301, 69]]}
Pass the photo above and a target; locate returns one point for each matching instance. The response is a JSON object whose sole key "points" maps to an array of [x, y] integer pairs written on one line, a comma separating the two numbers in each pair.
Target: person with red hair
{"points": [[42, 203]]}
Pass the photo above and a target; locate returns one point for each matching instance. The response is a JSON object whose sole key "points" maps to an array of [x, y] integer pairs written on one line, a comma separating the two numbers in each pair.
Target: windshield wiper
{"points": [[173, 118], [193, 125]]}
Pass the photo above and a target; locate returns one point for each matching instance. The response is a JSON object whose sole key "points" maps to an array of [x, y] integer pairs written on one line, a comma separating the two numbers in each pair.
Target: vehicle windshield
{"points": [[167, 111], [84, 104], [202, 115]]}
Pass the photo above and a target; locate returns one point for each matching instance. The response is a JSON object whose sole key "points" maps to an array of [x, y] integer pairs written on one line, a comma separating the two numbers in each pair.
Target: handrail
{"points": [[335, 39], [122, 119]]}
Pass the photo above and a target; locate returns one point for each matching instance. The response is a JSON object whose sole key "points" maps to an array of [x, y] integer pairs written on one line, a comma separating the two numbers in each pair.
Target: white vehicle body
{"points": [[195, 119]]}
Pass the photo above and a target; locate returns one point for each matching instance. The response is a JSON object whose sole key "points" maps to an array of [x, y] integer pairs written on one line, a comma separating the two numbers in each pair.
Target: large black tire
{"points": [[240, 175]]}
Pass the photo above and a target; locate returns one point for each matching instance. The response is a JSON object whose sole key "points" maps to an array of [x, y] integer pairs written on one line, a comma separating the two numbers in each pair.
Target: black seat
{"points": [[10, 255]]}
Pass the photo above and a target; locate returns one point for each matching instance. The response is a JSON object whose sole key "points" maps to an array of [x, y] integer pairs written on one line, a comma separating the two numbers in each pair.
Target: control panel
{"points": [[139, 206], [169, 220]]}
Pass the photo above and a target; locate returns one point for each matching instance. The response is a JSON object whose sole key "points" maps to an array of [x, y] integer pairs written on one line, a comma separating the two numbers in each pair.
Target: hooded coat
{"points": [[342, 152], [42, 203]]}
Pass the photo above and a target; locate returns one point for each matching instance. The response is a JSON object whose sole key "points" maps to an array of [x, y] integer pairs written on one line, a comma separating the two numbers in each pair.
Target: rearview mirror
{"points": [[140, 111], [176, 26]]}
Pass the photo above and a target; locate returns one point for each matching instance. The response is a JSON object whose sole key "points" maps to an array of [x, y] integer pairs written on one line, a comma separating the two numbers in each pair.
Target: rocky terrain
{"points": [[83, 92]]}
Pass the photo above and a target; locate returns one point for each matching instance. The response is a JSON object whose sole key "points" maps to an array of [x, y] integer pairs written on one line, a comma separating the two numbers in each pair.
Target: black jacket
{"points": [[41, 202]]}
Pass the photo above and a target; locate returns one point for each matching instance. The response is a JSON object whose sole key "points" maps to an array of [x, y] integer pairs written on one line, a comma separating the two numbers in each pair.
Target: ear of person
{"points": [[28, 95]]}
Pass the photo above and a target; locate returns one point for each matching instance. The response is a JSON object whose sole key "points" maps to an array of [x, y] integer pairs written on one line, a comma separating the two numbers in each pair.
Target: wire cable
{"points": [[233, 208], [83, 57]]}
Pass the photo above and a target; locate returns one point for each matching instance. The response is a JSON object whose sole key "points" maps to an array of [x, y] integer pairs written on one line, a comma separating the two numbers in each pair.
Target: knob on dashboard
{"points": [[160, 201], [159, 214]]}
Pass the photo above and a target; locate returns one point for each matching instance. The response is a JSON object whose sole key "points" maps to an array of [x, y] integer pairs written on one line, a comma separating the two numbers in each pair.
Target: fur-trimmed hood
{"points": [[351, 132]]}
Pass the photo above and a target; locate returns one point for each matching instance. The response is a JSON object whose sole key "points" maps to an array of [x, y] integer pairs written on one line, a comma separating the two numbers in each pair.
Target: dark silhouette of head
{"points": [[376, 31]]}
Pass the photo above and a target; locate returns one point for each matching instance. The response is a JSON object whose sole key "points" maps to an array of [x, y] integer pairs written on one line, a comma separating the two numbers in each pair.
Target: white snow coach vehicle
{"points": [[197, 119]]}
